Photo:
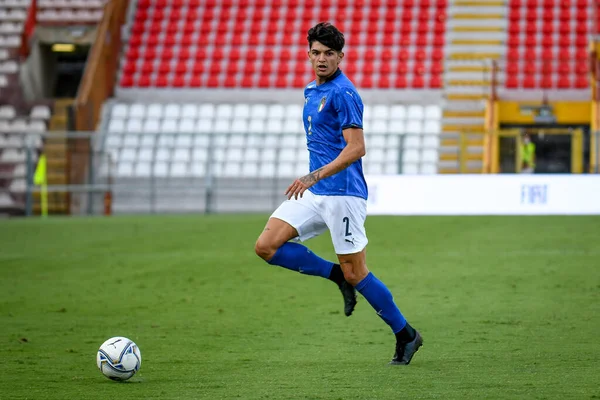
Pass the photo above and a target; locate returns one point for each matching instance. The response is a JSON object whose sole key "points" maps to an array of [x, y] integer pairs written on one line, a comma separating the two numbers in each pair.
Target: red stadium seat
{"points": [[161, 81], [418, 82], [564, 67], [184, 54], [147, 67], [126, 81], [402, 68], [130, 67], [436, 68], [435, 82], [133, 53], [383, 82], [181, 68], [545, 82], [178, 81], [563, 82], [198, 68], [367, 82], [512, 68], [400, 82], [512, 82], [547, 28], [528, 82], [530, 67], [195, 81], [547, 41], [164, 68], [582, 81], [582, 68], [210, 34]]}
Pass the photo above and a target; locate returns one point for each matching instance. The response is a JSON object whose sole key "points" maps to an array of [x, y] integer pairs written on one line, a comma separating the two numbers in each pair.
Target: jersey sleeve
{"points": [[349, 108]]}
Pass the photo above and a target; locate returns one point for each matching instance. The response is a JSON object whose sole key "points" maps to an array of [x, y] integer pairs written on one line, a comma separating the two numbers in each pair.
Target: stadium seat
{"points": [[544, 30], [175, 31]]}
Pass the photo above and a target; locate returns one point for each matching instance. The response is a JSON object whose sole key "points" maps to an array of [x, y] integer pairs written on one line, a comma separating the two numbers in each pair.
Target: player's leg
{"points": [[296, 219], [346, 224]]}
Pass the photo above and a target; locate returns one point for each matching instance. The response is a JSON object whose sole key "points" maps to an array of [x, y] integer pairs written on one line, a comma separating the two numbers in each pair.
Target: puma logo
{"points": [[350, 241], [113, 343]]}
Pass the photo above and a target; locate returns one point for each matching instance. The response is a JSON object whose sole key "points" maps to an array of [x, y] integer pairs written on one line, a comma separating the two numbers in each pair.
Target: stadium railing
{"points": [[217, 175], [191, 172]]}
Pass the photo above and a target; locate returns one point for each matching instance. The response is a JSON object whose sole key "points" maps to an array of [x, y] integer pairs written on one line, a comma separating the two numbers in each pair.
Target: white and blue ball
{"points": [[119, 358]]}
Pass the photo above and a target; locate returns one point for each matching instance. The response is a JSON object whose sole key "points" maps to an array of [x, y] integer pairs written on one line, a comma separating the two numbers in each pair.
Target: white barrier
{"points": [[484, 194]]}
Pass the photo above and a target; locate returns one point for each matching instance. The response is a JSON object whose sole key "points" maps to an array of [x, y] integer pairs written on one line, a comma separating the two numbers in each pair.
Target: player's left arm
{"points": [[354, 150]]}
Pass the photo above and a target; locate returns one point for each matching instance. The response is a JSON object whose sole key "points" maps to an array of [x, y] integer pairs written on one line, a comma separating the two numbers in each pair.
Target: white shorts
{"points": [[312, 215]]}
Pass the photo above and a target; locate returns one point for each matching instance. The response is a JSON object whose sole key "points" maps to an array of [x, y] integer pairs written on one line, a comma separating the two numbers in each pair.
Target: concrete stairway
{"points": [[476, 35], [56, 150]]}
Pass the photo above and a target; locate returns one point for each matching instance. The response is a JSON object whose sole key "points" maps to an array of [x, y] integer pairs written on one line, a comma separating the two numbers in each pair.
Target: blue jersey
{"points": [[329, 108]]}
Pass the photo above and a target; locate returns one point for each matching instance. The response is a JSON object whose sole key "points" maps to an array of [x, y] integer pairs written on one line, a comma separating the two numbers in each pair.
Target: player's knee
{"points": [[264, 250], [354, 276], [351, 278]]}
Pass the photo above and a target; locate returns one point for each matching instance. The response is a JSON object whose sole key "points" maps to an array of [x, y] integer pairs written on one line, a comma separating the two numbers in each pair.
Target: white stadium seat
{"points": [[241, 111], [294, 111], [206, 111], [181, 155], [189, 111], [198, 169], [134, 125], [432, 126], [239, 126], [146, 154], [154, 111], [224, 111], [172, 111], [40, 112], [187, 125], [414, 126], [415, 112], [183, 141], [179, 169], [276, 111], [161, 169], [274, 126], [381, 112], [253, 135], [169, 126], [137, 111], [204, 125], [151, 126], [119, 111], [433, 112], [143, 169], [116, 126], [259, 111], [256, 126]]}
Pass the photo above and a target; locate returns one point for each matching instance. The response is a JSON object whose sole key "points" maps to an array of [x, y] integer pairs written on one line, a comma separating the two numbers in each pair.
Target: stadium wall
{"points": [[484, 195]]}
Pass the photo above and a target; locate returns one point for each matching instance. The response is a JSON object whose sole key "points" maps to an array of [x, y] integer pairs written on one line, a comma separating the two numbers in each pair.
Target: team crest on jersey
{"points": [[322, 103]]}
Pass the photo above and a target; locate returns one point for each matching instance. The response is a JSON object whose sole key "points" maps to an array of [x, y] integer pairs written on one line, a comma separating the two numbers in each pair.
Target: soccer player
{"points": [[333, 196]]}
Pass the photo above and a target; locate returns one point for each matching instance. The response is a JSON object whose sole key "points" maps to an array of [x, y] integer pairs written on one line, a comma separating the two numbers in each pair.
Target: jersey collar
{"points": [[332, 77]]}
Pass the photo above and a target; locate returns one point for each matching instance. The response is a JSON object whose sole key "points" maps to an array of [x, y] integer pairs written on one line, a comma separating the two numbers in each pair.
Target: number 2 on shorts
{"points": [[346, 220]]}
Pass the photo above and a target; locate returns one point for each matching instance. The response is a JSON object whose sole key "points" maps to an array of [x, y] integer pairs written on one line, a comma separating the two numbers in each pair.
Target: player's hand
{"points": [[299, 186]]}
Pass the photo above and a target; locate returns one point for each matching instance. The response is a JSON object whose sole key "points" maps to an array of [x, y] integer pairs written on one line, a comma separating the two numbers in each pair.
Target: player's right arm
{"points": [[354, 150]]}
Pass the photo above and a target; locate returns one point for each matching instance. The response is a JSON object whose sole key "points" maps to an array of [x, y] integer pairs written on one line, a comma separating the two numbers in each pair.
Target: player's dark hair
{"points": [[326, 34]]}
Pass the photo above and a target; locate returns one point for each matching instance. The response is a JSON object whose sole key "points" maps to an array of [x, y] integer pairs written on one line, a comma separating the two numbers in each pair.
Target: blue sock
{"points": [[299, 258], [380, 298]]}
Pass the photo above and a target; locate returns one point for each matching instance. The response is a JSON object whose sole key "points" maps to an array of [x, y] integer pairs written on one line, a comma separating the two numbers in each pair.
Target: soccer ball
{"points": [[119, 358]]}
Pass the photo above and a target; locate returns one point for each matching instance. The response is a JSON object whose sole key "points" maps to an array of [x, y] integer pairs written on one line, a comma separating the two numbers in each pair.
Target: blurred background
{"points": [[156, 106]]}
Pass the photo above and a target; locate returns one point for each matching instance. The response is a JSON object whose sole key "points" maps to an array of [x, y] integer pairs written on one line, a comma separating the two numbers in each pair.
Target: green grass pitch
{"points": [[509, 308]]}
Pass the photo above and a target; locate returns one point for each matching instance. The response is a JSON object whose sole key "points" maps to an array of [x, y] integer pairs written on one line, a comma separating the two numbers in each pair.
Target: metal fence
{"points": [[192, 173]]}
